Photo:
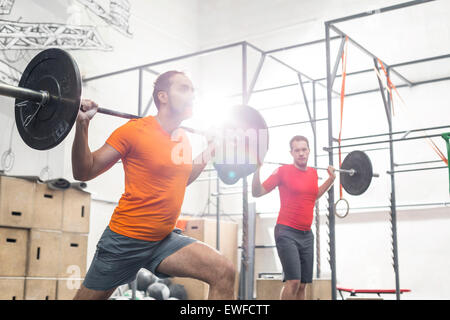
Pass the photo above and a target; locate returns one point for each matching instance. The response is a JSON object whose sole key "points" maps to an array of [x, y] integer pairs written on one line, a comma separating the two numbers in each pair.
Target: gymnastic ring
{"points": [[346, 212], [46, 171], [7, 160]]}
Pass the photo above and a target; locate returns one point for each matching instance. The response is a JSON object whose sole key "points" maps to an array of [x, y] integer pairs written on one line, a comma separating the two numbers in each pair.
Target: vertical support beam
{"points": [[217, 214], [141, 80], [244, 288], [251, 250], [393, 203], [331, 215], [317, 202]]}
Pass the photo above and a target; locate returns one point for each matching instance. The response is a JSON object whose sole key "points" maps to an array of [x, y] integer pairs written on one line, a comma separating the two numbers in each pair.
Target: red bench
{"points": [[353, 292]]}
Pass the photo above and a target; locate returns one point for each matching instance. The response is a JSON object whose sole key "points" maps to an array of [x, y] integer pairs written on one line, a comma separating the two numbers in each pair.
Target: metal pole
{"points": [[383, 141], [198, 53], [255, 78], [393, 203], [337, 60], [305, 98], [331, 216], [294, 123], [243, 287], [251, 249], [299, 72], [295, 46], [317, 202], [397, 132], [417, 169], [217, 214]]}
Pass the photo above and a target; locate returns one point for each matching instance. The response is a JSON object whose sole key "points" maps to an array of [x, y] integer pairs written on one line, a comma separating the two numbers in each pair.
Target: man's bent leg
{"points": [[87, 294], [200, 261]]}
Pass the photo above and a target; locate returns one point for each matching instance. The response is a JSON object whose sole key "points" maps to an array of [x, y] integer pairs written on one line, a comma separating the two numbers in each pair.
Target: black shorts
{"points": [[296, 252], [118, 258]]}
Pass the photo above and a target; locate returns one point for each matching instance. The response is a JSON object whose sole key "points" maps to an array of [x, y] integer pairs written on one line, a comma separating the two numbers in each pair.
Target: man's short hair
{"points": [[298, 138], [162, 83]]}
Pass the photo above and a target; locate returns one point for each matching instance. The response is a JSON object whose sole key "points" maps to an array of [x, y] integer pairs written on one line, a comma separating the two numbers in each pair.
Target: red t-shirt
{"points": [[298, 194]]}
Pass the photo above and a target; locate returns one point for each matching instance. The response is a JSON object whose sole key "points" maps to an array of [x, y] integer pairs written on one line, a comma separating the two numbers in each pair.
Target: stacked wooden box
{"points": [[43, 240], [270, 289]]}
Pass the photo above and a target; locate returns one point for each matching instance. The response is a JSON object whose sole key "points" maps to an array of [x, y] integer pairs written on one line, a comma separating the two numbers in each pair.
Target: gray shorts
{"points": [[118, 258], [296, 251]]}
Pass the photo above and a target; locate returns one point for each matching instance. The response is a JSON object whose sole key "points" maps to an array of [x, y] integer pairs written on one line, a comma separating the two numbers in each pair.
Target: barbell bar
{"points": [[350, 172], [356, 172]]}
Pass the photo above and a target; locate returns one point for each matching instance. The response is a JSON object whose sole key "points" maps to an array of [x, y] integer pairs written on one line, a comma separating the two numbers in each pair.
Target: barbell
{"points": [[48, 100], [356, 172]]}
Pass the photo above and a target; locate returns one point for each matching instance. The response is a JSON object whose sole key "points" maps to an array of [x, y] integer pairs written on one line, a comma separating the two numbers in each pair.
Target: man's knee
{"points": [[224, 273], [293, 285]]}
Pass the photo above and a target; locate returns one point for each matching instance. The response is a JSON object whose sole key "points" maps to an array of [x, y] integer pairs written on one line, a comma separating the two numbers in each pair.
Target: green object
{"points": [[446, 137]]}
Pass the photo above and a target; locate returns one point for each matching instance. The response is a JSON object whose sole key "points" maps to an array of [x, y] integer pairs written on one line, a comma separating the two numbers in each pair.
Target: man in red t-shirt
{"points": [[299, 190]]}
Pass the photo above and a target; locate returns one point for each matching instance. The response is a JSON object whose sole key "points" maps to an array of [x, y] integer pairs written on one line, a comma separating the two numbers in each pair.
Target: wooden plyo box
{"points": [[13, 252], [12, 289], [40, 289], [270, 289], [76, 211], [16, 202], [48, 206], [73, 255], [44, 253], [321, 289]]}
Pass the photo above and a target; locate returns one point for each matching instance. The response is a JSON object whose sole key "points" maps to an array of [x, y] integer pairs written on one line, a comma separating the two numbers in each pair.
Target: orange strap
{"points": [[344, 75], [437, 150], [390, 86]]}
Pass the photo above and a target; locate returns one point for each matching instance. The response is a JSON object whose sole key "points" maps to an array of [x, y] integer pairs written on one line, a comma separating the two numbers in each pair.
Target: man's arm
{"points": [[257, 188], [201, 161], [86, 165], [328, 183]]}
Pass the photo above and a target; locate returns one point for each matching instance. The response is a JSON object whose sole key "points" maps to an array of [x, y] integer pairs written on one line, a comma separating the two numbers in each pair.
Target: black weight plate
{"points": [[359, 182], [55, 71], [245, 124]]}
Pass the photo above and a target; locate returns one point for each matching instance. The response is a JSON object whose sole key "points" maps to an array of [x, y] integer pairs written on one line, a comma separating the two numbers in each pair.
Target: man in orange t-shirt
{"points": [[157, 161]]}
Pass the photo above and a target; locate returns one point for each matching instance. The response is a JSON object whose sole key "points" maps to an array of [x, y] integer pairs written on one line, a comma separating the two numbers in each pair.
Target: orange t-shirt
{"points": [[157, 167]]}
